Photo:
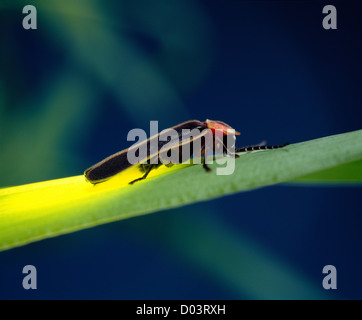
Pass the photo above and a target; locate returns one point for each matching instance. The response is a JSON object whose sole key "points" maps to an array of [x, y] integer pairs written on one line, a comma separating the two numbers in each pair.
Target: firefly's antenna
{"points": [[257, 148]]}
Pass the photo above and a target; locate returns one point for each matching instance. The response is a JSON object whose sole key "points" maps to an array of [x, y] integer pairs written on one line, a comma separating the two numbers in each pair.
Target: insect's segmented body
{"points": [[118, 162]]}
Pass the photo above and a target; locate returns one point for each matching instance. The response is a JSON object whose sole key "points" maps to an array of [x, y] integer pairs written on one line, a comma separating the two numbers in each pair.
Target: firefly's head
{"points": [[213, 125]]}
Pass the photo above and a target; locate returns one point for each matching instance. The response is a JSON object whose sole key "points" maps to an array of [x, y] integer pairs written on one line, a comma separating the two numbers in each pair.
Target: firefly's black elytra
{"points": [[118, 162]]}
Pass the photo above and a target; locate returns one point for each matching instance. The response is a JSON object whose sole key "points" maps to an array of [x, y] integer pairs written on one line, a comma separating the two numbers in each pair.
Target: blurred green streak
{"points": [[2, 105], [143, 90], [233, 260], [33, 138]]}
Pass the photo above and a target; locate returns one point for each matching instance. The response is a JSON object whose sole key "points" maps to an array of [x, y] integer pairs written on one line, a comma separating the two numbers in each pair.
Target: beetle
{"points": [[118, 162]]}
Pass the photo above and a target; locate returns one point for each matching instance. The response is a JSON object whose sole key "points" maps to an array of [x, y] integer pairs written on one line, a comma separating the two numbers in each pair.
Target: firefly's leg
{"points": [[232, 155], [226, 150], [220, 142], [145, 175], [204, 165]]}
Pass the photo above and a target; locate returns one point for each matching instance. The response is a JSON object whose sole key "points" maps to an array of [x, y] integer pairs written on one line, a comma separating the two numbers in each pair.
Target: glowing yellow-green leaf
{"points": [[45, 209]]}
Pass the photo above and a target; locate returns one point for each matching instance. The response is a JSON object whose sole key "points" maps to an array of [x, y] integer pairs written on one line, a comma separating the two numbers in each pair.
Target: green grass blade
{"points": [[346, 174], [45, 209]]}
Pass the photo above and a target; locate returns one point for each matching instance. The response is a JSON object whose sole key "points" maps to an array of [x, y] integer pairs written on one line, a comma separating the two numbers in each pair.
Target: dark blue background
{"points": [[268, 69]]}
